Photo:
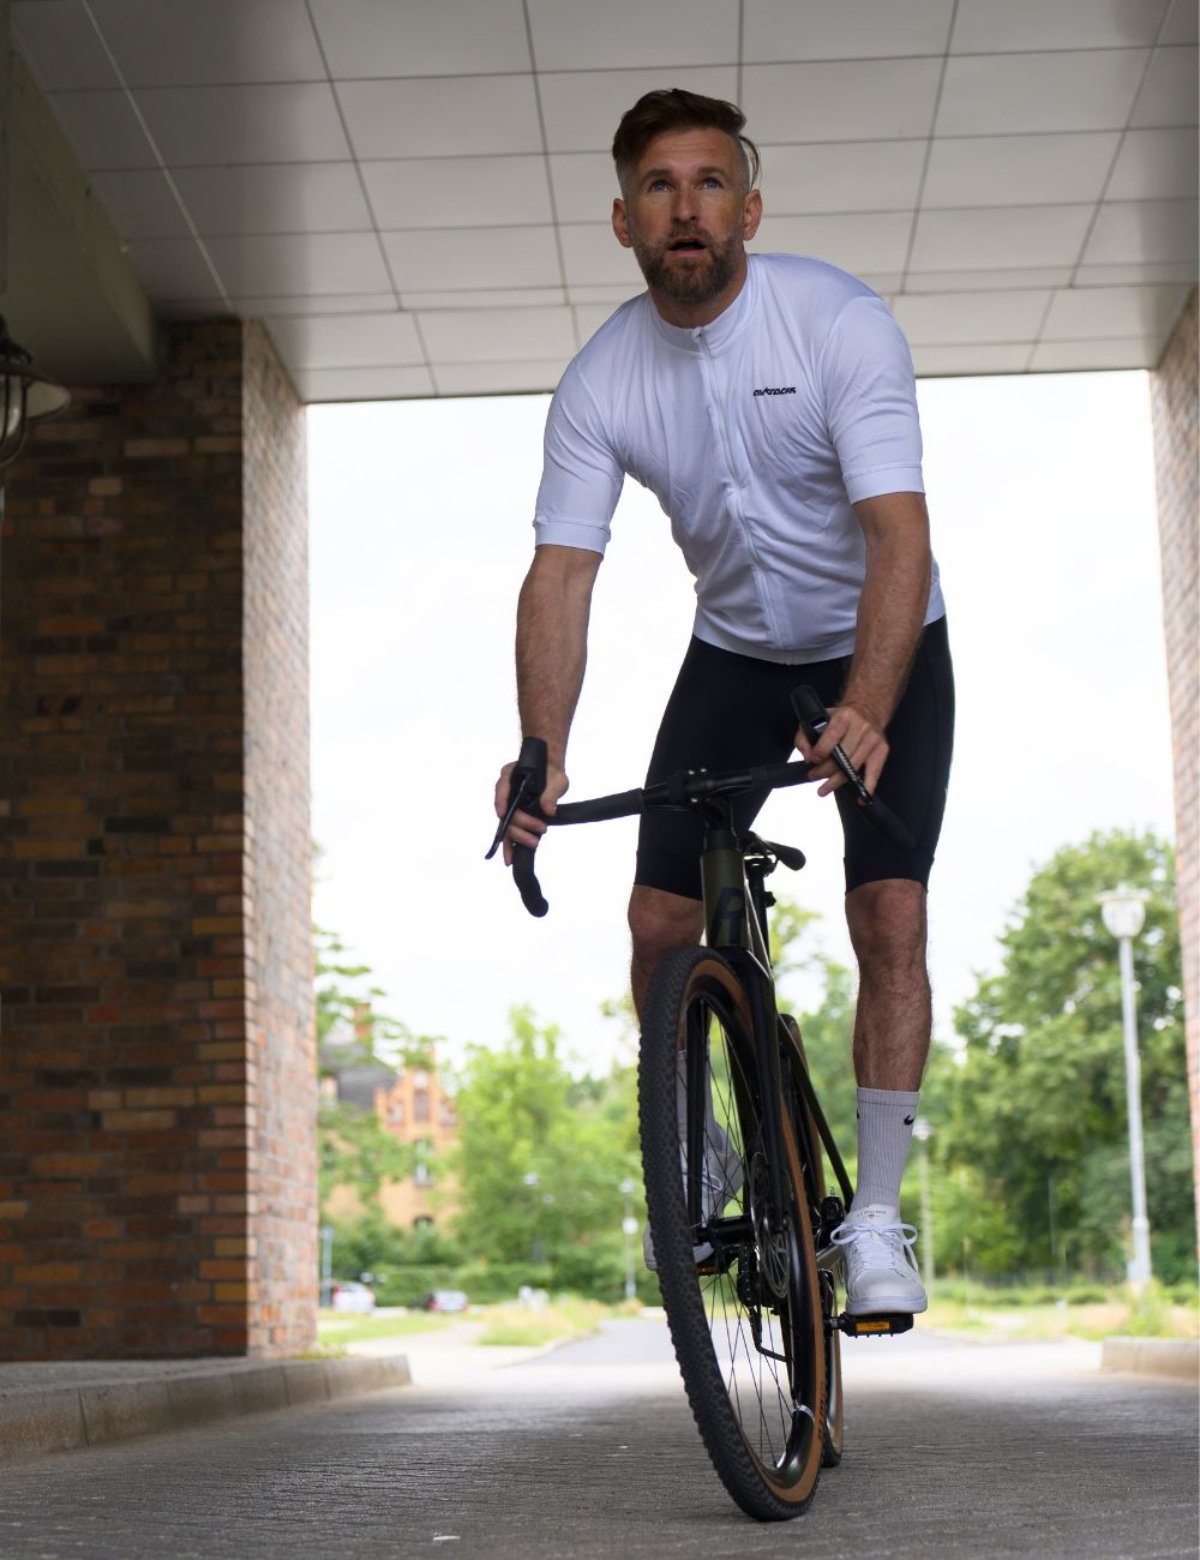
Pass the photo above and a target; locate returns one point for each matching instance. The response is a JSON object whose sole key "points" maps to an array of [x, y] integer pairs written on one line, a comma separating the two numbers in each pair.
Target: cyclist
{"points": [[769, 403]]}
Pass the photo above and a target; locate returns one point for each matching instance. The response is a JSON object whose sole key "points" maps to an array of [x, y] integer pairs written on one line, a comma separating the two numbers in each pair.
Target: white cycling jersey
{"points": [[757, 433]]}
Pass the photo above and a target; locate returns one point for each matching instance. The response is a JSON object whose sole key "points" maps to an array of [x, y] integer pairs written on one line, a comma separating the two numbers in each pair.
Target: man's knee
{"points": [[660, 921], [888, 925]]}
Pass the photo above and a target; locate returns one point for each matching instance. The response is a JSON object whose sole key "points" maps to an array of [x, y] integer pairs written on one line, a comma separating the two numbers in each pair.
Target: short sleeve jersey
{"points": [[757, 434]]}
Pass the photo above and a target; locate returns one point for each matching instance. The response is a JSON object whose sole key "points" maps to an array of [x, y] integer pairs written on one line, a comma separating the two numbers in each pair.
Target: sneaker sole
{"points": [[887, 1303]]}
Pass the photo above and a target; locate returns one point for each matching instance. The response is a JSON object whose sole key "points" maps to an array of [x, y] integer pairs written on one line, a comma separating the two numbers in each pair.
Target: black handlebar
{"points": [[687, 788]]}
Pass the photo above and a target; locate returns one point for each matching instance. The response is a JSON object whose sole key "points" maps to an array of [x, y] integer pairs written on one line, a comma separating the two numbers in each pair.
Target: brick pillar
{"points": [[157, 1079], [1173, 387]]}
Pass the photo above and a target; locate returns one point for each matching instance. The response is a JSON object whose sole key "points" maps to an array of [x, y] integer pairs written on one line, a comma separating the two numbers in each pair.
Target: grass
{"points": [[336, 1329], [560, 1321], [1011, 1315]]}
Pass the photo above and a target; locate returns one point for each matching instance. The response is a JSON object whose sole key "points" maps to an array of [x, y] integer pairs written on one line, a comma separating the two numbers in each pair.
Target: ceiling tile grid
{"points": [[416, 198]]}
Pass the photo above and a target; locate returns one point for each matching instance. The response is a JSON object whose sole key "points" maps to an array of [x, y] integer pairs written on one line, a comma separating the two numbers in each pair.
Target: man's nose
{"points": [[686, 207]]}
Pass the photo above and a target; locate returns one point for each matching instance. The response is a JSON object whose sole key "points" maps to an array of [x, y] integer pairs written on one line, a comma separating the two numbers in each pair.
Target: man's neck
{"points": [[691, 316]]}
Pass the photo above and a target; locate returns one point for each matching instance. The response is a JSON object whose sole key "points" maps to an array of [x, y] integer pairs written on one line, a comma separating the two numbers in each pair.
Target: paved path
{"points": [[954, 1450]]}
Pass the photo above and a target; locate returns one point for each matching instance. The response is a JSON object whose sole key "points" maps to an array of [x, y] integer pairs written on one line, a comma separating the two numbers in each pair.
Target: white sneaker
{"points": [[722, 1181], [881, 1271]]}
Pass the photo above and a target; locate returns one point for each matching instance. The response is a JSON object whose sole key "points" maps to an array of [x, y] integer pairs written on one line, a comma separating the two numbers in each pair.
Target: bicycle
{"points": [[733, 1137]]}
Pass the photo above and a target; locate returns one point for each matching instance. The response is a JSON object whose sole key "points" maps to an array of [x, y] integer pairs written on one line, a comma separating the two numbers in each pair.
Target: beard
{"points": [[697, 281]]}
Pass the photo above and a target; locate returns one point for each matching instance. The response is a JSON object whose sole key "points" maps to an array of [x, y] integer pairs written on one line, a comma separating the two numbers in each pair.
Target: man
{"points": [[768, 401]]}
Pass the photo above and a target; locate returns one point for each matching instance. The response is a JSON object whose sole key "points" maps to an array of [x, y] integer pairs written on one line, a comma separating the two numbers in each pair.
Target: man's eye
{"points": [[658, 184]]}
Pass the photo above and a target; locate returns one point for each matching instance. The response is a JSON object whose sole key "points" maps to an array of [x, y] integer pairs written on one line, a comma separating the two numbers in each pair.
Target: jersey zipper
{"points": [[757, 570]]}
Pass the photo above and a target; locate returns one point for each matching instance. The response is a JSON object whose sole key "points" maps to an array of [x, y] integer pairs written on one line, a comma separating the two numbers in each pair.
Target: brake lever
{"points": [[525, 785]]}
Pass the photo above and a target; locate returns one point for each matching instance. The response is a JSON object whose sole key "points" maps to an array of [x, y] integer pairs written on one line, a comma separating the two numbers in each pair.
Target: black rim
{"points": [[754, 1286]]}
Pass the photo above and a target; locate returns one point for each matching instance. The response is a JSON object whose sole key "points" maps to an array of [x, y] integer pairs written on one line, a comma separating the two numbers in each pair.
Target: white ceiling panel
{"points": [[1183, 24], [999, 94], [200, 126], [173, 43], [1154, 163], [1000, 281], [593, 258], [498, 335], [938, 319], [1169, 94], [1160, 273], [1019, 170], [832, 30], [1129, 232], [856, 241], [608, 296], [141, 203], [1004, 237], [459, 191], [104, 130], [417, 196], [454, 116], [257, 307], [483, 298], [590, 316], [993, 358], [1101, 313], [842, 176], [1059, 357], [362, 384], [61, 46], [291, 263], [625, 34], [863, 100], [365, 38], [582, 109], [473, 257], [984, 26], [585, 185], [498, 378], [173, 268], [347, 340], [275, 198]]}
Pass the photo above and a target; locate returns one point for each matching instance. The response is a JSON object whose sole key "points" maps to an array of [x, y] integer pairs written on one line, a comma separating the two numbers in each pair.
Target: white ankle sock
{"points": [[885, 1123]]}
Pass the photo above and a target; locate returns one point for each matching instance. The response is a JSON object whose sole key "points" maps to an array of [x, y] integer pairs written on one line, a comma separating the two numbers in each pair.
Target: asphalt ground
{"points": [[955, 1450]]}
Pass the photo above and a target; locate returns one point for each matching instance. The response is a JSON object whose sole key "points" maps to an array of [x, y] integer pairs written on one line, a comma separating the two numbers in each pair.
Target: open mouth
{"points": [[688, 246]]}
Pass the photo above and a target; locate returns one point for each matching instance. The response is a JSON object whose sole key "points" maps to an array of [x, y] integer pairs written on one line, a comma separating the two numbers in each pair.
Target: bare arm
{"points": [[552, 624], [891, 615]]}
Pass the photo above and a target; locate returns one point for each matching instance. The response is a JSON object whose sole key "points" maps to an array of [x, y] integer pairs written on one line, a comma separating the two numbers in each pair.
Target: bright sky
{"points": [[1041, 491]]}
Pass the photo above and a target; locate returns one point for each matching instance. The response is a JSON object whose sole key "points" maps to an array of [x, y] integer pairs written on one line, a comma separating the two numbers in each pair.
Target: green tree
{"points": [[541, 1159], [1030, 1121]]}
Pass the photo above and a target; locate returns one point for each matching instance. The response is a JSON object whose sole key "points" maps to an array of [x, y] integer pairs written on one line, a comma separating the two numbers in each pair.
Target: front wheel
{"points": [[738, 1274]]}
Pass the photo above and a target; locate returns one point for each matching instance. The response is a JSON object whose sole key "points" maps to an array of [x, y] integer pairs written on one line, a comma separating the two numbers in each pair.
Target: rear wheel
{"points": [[738, 1275]]}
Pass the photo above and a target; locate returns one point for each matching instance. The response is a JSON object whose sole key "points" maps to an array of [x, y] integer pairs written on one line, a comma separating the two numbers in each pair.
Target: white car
{"points": [[349, 1295]]}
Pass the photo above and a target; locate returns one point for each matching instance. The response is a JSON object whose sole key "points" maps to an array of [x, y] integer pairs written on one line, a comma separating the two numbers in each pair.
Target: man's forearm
{"points": [[891, 615], [552, 624]]}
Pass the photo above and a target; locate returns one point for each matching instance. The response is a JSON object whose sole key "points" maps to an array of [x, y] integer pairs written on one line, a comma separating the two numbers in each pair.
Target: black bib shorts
{"points": [[727, 711]]}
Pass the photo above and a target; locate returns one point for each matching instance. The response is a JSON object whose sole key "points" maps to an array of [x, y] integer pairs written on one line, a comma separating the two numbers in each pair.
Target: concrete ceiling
{"points": [[414, 196]]}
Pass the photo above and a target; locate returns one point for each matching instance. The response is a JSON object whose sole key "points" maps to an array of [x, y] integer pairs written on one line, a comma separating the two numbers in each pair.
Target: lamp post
{"points": [[922, 1131], [629, 1230], [1124, 912]]}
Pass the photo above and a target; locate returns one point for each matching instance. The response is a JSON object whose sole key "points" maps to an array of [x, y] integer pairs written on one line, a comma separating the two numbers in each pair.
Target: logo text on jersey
{"points": [[777, 390]]}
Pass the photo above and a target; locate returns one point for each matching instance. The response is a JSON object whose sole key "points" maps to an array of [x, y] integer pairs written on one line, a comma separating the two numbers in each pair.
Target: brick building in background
{"points": [[412, 1105]]}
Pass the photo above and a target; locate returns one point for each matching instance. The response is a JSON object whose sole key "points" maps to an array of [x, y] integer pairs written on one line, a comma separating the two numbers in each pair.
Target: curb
{"points": [[36, 1420], [1178, 1357]]}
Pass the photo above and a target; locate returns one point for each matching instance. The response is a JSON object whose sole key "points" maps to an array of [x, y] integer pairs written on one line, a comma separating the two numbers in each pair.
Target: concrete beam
{"points": [[71, 295]]}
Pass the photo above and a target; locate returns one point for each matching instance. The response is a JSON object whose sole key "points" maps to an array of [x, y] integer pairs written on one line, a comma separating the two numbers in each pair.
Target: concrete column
{"points": [[157, 1079], [1173, 388]]}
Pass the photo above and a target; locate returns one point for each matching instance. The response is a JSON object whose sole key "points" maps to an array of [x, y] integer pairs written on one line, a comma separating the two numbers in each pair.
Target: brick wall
{"points": [[140, 1022], [1177, 459]]}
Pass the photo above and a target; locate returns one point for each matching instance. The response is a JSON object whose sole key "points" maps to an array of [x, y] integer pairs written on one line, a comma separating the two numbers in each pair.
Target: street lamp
{"points": [[1124, 912], [922, 1131], [629, 1230]]}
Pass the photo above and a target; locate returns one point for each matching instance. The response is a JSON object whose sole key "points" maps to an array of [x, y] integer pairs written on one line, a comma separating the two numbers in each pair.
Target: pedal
{"points": [[885, 1324]]}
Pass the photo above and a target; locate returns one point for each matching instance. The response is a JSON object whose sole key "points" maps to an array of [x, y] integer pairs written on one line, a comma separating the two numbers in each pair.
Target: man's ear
{"points": [[620, 224], [751, 214]]}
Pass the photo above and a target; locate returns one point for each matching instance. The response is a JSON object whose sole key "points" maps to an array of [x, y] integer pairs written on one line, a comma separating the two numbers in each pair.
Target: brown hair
{"points": [[675, 108]]}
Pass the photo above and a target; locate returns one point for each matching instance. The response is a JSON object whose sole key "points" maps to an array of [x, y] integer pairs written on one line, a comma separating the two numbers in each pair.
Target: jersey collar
{"points": [[718, 333]]}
